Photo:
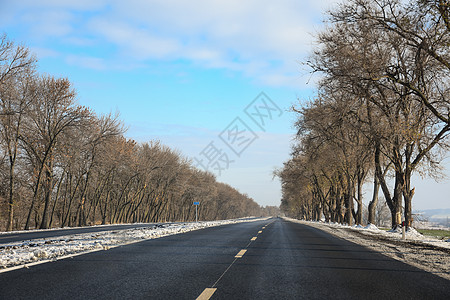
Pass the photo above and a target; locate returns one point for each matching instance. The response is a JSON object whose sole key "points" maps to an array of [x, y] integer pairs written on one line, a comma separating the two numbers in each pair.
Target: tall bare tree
{"points": [[16, 68], [383, 65], [53, 112]]}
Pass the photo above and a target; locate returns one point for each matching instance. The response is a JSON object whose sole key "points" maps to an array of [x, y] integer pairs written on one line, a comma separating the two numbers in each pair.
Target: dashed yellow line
{"points": [[241, 253], [206, 294]]}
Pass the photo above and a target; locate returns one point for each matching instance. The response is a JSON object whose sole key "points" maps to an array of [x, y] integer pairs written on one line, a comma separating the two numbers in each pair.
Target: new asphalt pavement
{"points": [[271, 259]]}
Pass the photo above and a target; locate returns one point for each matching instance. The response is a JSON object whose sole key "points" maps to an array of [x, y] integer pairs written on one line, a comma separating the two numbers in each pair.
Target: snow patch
{"points": [[371, 227], [30, 251]]}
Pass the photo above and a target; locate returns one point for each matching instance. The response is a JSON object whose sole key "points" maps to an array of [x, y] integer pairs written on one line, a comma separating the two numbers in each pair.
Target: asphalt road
{"points": [[11, 237], [285, 261]]}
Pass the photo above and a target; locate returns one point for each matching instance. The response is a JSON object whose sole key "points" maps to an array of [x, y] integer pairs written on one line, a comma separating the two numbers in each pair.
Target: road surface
{"points": [[11, 237], [272, 259]]}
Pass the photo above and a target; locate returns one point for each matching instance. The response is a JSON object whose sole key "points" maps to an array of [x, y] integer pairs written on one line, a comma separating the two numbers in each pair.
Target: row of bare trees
{"points": [[381, 112], [62, 165]]}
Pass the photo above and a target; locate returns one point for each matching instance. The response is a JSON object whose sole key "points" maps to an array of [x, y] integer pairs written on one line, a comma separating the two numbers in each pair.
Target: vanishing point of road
{"points": [[271, 259]]}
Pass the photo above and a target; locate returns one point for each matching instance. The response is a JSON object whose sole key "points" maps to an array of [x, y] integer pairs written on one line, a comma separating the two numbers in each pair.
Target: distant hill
{"points": [[438, 216]]}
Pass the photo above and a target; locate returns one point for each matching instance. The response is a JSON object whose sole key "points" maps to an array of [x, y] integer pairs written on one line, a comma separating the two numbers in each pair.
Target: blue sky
{"points": [[182, 71]]}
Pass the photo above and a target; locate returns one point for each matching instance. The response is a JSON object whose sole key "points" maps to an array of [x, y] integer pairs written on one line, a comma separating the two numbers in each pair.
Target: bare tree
{"points": [[16, 69], [63, 165], [417, 72], [385, 87], [53, 112]]}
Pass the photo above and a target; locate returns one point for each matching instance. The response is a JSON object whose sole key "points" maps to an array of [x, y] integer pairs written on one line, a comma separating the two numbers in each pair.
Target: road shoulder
{"points": [[430, 258]]}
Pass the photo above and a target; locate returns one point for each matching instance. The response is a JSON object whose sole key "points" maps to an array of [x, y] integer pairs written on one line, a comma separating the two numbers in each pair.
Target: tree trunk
{"points": [[395, 202], [396, 210], [408, 195], [373, 203], [11, 204], [37, 187], [349, 202], [48, 194], [360, 198]]}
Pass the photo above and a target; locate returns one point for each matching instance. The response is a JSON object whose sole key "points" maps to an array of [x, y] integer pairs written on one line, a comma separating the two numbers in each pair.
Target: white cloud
{"points": [[86, 62], [66, 4], [142, 44], [53, 22], [244, 36], [44, 52], [80, 41]]}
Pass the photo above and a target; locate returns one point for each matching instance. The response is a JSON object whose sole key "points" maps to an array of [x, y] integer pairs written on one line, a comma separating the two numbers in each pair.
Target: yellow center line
{"points": [[206, 294], [241, 253]]}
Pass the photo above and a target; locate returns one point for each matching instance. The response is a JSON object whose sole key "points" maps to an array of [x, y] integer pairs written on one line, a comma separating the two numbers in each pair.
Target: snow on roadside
{"points": [[50, 249], [426, 253], [412, 235]]}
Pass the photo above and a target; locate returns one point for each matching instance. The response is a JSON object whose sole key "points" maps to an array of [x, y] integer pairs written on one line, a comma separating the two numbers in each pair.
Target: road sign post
{"points": [[196, 211]]}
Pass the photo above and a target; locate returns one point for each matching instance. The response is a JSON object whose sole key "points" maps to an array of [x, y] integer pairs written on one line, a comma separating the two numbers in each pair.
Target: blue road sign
{"points": [[196, 203]]}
